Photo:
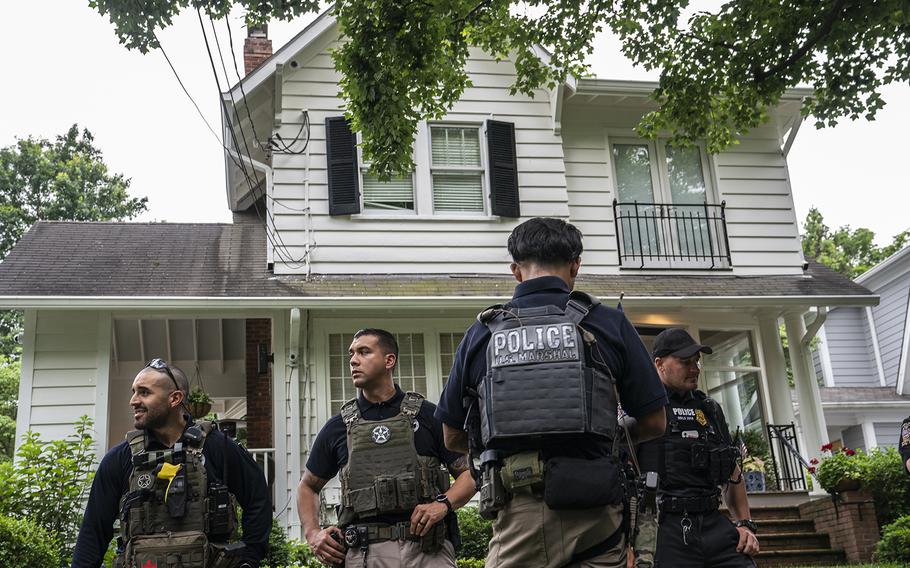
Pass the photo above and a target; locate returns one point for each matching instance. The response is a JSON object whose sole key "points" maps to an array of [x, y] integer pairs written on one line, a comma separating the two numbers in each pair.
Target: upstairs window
{"points": [[395, 195], [456, 169]]}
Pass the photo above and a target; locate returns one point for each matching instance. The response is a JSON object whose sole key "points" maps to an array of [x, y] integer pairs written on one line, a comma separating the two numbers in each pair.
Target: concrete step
{"points": [[765, 513], [793, 541], [802, 557], [801, 526]]}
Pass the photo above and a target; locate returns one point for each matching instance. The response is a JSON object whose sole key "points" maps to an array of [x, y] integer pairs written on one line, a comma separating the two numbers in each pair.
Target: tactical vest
{"points": [[543, 386], [172, 512], [693, 453], [384, 474]]}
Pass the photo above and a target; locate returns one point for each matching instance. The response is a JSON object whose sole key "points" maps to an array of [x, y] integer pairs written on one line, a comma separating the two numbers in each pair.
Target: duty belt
{"points": [[378, 532], [702, 504]]}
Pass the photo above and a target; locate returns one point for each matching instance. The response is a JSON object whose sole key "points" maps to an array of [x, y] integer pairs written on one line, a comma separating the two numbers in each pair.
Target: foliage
{"points": [[886, 478], [198, 395], [48, 481], [25, 543], [9, 402], [850, 252], [839, 464], [284, 553], [719, 72], [754, 464], [468, 562], [476, 533], [894, 545], [59, 180]]}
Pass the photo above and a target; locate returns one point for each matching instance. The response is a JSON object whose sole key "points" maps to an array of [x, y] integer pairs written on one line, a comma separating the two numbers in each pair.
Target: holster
{"points": [[493, 495], [433, 541], [231, 555]]}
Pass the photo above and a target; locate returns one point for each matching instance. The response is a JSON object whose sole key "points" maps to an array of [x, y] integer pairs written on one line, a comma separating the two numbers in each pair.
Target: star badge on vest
{"points": [[144, 481], [700, 417], [381, 434], [416, 425]]}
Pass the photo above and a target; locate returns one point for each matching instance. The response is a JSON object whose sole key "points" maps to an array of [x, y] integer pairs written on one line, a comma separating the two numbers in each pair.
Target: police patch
{"points": [[905, 434], [381, 434], [700, 417], [547, 343], [144, 481], [416, 425]]}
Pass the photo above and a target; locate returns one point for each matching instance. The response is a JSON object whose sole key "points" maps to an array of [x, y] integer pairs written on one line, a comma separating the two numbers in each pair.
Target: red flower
{"points": [[827, 447], [849, 452], [811, 470], [813, 461]]}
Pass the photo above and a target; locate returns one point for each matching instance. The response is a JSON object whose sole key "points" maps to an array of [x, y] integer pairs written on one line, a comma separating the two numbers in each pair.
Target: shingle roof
{"points": [[72, 259], [846, 395]]}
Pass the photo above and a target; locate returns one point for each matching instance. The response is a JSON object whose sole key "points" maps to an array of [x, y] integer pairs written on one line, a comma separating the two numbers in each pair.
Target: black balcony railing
{"points": [[661, 235]]}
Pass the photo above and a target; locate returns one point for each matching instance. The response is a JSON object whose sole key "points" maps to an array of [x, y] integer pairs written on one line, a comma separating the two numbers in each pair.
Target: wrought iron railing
{"points": [[790, 467], [663, 235]]}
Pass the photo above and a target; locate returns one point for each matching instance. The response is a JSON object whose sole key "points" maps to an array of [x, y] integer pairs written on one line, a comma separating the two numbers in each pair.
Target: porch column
{"points": [[812, 419], [775, 371]]}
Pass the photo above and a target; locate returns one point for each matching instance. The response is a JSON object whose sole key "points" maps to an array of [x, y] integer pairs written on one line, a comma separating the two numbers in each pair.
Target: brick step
{"points": [[793, 541], [774, 513], [801, 557], [802, 526]]}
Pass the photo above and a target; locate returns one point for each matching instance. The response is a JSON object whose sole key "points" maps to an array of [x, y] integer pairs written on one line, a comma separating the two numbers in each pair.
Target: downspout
{"points": [[820, 316]]}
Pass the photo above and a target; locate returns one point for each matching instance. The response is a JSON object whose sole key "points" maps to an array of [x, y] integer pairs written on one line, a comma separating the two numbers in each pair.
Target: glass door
{"points": [[639, 213]]}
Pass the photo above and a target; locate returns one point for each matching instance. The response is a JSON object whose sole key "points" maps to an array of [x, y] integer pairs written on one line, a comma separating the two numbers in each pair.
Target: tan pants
{"points": [[528, 534], [400, 554]]}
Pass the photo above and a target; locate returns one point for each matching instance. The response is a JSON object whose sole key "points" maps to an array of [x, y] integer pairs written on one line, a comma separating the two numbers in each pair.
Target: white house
{"points": [[863, 357], [319, 249]]}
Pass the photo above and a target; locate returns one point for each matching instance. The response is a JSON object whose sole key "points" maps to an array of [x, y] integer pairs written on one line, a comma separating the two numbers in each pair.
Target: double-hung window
{"points": [[456, 169]]}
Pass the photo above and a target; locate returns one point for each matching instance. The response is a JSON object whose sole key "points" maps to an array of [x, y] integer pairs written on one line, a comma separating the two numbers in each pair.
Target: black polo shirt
{"points": [[245, 481], [330, 450], [640, 389]]}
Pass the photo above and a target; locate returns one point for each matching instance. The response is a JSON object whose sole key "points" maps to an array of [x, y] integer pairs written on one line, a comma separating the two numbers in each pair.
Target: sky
{"points": [[61, 63]]}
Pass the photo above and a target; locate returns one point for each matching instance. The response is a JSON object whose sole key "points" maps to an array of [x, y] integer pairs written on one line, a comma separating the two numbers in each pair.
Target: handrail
{"points": [[785, 436]]}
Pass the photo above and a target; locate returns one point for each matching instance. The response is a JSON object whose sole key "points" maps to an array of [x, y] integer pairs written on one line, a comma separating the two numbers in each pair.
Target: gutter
{"points": [[439, 302], [820, 316]]}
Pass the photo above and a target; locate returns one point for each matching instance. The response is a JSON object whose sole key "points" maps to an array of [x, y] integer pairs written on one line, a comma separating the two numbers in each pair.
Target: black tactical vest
{"points": [[693, 454], [171, 512], [384, 474], [543, 386]]}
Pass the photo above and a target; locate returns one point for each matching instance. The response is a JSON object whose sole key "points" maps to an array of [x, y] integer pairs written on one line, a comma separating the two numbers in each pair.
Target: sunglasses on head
{"points": [[161, 365]]}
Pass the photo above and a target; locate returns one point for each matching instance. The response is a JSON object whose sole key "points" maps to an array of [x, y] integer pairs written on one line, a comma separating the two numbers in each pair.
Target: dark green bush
{"points": [[25, 543], [476, 533], [886, 479], [469, 562], [285, 553], [895, 543]]}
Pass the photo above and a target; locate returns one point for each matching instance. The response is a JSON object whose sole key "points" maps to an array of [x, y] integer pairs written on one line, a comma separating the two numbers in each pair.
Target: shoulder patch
{"points": [[905, 434]]}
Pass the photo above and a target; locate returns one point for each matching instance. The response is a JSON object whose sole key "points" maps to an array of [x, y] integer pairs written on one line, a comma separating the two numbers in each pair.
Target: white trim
{"points": [[883, 265], [27, 375], [102, 382], [876, 350], [791, 137], [868, 403], [903, 362], [825, 357], [438, 302], [595, 86], [869, 439]]}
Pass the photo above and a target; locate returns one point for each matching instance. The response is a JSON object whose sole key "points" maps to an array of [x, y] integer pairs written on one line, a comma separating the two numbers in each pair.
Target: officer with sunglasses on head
{"points": [[173, 485]]}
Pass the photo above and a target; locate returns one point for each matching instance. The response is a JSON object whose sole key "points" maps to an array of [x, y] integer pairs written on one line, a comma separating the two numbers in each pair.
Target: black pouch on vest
{"points": [[700, 458], [576, 483]]}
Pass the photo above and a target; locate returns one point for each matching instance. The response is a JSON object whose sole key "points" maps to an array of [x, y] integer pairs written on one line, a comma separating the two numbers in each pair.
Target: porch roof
{"points": [[82, 264], [861, 396]]}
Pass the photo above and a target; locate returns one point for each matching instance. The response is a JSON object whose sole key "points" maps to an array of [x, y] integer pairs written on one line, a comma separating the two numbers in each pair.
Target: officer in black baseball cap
{"points": [[698, 463]]}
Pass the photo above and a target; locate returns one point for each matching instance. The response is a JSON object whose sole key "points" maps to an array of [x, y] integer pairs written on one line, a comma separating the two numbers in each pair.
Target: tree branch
{"points": [[823, 30]]}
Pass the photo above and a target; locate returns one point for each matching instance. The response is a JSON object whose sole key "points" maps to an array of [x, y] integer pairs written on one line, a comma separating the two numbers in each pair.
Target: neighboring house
{"points": [[863, 360], [319, 249]]}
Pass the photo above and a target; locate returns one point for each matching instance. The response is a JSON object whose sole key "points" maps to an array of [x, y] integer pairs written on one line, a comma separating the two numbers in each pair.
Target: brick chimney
{"points": [[257, 47]]}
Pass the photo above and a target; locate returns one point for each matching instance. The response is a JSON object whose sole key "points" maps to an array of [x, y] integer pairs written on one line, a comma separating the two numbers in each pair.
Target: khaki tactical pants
{"points": [[528, 534], [400, 554]]}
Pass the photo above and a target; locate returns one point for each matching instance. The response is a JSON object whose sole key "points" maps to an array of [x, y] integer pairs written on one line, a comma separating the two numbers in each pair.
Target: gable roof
{"points": [[68, 264]]}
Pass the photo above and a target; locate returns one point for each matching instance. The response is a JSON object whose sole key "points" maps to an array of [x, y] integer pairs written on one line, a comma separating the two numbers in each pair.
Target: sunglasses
{"points": [[161, 365]]}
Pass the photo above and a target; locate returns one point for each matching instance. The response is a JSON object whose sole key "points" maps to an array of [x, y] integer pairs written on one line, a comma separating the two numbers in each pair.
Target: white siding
{"points": [[850, 348], [422, 244], [890, 317], [65, 361]]}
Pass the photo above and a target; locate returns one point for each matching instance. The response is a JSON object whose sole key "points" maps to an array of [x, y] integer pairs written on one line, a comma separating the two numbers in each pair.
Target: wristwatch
{"points": [[747, 524], [443, 498]]}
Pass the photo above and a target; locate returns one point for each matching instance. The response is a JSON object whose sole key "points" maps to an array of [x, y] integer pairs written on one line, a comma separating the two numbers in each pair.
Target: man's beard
{"points": [[151, 420]]}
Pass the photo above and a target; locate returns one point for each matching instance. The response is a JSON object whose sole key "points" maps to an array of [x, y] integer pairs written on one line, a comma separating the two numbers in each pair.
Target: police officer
{"points": [[160, 480], [533, 381], [904, 443], [396, 506], [695, 457]]}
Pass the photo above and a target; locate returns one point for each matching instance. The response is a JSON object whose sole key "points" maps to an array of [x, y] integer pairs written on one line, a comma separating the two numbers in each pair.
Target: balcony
{"points": [[671, 236]]}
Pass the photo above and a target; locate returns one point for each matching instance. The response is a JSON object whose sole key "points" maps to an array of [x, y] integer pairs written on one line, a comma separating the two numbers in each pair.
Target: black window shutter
{"points": [[503, 173], [341, 158]]}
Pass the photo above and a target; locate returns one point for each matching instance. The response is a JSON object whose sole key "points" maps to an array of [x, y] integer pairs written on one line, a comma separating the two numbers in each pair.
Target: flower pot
{"points": [[199, 409], [755, 481], [847, 484]]}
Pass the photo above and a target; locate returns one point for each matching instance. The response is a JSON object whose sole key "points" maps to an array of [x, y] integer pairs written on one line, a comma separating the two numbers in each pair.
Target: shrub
{"points": [[469, 562], [25, 543], [886, 479], [476, 533], [48, 481], [894, 545], [285, 553]]}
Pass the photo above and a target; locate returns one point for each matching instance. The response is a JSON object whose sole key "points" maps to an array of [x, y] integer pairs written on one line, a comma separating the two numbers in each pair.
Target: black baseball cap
{"points": [[677, 342]]}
